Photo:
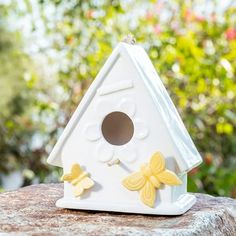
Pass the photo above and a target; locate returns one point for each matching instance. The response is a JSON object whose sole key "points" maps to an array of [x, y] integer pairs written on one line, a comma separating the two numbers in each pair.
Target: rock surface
{"points": [[31, 211]]}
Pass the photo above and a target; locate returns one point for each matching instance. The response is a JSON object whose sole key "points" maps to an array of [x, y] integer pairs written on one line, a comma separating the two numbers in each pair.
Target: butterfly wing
{"points": [[87, 183], [75, 170], [134, 181], [78, 191], [84, 184], [157, 163], [66, 177], [168, 177], [148, 194], [156, 183], [74, 173]]}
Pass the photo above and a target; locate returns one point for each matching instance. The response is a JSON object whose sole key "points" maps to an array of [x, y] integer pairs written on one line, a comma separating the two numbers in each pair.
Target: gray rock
{"points": [[31, 211]]}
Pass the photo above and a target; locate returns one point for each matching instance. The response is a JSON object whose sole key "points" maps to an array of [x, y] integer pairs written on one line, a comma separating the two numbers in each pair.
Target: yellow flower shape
{"points": [[78, 178], [150, 177]]}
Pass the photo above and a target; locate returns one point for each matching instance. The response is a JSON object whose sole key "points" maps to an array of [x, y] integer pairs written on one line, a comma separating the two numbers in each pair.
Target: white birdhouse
{"points": [[126, 148]]}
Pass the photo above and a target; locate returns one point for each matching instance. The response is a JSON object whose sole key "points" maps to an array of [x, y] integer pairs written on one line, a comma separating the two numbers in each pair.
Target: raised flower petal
{"points": [[102, 108], [140, 129], [127, 106], [93, 132], [104, 152], [127, 154]]}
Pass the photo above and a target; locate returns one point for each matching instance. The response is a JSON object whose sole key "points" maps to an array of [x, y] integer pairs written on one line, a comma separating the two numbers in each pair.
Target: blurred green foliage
{"points": [[195, 54]]}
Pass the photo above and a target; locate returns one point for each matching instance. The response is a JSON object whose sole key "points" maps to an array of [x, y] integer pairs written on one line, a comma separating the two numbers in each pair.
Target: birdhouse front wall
{"points": [[121, 100]]}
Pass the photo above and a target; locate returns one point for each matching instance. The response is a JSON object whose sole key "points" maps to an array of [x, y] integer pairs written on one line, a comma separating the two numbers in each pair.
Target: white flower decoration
{"points": [[105, 151]]}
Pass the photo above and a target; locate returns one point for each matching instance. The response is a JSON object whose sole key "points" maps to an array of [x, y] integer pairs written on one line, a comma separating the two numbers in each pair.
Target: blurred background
{"points": [[50, 51]]}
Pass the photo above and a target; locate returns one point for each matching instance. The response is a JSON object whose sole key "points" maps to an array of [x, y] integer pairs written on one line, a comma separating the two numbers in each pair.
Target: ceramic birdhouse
{"points": [[126, 148]]}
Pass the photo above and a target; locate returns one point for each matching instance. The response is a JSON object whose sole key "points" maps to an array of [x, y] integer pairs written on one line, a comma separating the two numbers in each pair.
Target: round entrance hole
{"points": [[117, 128]]}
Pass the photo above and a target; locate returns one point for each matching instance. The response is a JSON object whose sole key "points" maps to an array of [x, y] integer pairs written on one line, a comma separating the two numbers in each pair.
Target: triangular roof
{"points": [[188, 156]]}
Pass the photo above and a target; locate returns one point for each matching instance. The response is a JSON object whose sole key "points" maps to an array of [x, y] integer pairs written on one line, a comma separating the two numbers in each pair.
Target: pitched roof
{"points": [[187, 155]]}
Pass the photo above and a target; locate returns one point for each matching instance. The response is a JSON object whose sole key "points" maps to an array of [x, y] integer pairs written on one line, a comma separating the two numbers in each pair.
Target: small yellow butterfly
{"points": [[79, 179], [150, 177]]}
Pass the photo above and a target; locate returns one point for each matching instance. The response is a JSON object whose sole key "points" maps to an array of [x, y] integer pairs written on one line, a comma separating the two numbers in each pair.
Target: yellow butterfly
{"points": [[79, 179], [150, 177]]}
